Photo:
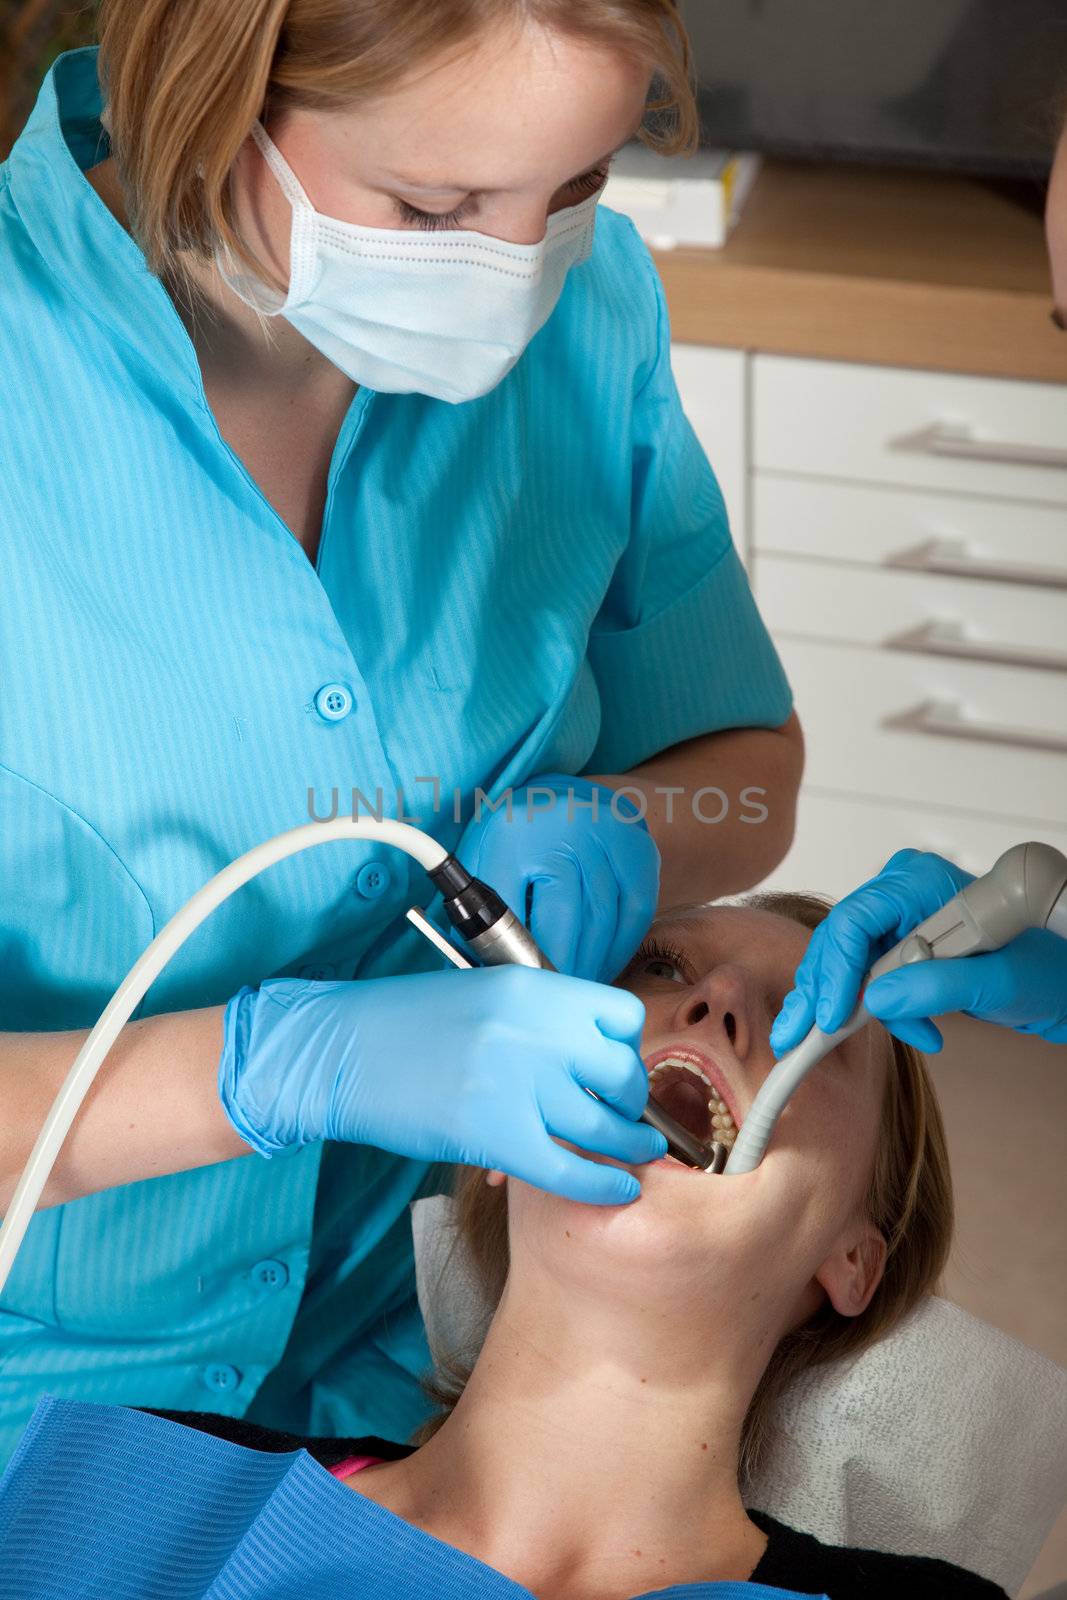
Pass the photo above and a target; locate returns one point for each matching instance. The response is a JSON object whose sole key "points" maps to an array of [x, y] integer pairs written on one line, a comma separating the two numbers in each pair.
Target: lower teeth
{"points": [[722, 1133]]}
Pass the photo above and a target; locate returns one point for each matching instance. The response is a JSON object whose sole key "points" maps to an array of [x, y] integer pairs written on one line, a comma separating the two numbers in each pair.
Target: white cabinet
{"points": [[925, 730], [713, 385], [921, 613], [964, 536], [923, 430], [906, 537], [842, 839]]}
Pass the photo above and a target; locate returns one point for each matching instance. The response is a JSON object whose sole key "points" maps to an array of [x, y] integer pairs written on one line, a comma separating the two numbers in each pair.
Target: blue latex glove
{"points": [[479, 1067], [1022, 986], [593, 881]]}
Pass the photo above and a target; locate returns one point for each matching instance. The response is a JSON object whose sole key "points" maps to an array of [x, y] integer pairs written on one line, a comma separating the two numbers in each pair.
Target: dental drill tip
{"points": [[719, 1154], [681, 1144]]}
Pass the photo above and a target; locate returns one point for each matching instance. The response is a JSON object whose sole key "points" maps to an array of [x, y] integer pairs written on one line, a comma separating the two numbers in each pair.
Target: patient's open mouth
{"points": [[680, 1081]]}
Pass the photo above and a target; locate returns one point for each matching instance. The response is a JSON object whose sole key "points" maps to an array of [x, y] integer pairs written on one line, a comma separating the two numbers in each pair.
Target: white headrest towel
{"points": [[948, 1438]]}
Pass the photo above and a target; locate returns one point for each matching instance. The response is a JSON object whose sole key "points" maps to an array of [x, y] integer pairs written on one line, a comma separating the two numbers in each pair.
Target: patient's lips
{"points": [[692, 1088]]}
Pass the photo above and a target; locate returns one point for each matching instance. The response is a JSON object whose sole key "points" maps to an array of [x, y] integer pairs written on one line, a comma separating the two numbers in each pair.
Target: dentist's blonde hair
{"points": [[908, 1199], [184, 80]]}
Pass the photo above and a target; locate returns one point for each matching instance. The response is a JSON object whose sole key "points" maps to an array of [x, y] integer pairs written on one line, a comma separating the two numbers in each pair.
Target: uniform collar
{"points": [[83, 246]]}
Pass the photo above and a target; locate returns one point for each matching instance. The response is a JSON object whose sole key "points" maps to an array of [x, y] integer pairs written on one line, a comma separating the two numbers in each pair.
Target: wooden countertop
{"points": [[859, 264]]}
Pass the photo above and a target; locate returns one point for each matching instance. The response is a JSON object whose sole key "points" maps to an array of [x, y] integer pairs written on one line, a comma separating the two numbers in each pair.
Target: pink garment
{"points": [[345, 1468]]}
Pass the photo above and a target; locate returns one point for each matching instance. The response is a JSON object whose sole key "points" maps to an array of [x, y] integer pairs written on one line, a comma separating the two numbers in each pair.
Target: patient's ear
{"points": [[494, 1177], [853, 1269]]}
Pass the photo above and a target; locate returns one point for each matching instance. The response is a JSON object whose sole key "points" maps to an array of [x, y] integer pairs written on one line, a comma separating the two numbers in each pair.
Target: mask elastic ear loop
{"points": [[287, 178], [573, 219]]}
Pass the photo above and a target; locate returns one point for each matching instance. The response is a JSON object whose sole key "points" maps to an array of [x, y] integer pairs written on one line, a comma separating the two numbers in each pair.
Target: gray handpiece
{"points": [[1025, 888], [509, 942]]}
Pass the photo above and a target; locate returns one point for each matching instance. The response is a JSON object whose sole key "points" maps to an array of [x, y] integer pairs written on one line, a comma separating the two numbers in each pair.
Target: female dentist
{"points": [[1022, 986], [324, 477]]}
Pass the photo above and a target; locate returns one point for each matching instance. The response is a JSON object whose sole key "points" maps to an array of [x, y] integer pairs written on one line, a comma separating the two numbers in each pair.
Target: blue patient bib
{"points": [[101, 1501]]}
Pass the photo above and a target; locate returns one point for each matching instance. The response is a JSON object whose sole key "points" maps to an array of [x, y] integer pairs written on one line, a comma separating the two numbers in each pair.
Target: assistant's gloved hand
{"points": [[1022, 986], [594, 878], [479, 1067]]}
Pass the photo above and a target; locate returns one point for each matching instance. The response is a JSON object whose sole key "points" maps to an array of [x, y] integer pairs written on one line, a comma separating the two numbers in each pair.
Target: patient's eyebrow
{"points": [[682, 919], [695, 923]]}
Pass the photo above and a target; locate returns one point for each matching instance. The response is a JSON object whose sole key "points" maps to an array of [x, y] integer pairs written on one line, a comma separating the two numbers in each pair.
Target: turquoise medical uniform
{"points": [[542, 579], [110, 1504]]}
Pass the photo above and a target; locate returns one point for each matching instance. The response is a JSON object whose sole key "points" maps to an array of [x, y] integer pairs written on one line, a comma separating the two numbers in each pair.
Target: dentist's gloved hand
{"points": [[594, 880], [478, 1066], [1022, 986]]}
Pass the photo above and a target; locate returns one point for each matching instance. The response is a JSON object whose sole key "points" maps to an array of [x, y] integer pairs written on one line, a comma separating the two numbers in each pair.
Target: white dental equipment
{"points": [[1025, 888], [477, 912]]}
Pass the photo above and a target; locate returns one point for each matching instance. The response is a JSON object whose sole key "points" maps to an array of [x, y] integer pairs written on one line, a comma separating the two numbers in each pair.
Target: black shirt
{"points": [[792, 1560]]}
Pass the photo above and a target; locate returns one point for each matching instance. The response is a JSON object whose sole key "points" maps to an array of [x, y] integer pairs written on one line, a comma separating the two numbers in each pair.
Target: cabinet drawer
{"points": [[1000, 623], [958, 535], [922, 729], [936, 430], [712, 385], [841, 841]]}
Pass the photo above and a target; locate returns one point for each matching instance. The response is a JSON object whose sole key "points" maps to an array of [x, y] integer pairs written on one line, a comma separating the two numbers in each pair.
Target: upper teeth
{"points": [[723, 1126]]}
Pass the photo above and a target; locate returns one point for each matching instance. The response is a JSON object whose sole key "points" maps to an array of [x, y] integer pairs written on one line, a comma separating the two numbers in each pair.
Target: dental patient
{"points": [[601, 1446]]}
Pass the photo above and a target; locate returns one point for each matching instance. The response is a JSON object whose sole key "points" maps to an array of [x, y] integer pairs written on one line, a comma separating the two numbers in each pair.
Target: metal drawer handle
{"points": [[952, 558], [951, 639], [945, 719], [959, 440]]}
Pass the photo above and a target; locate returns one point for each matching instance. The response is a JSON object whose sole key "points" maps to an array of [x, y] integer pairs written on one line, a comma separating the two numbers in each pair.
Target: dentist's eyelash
{"points": [[430, 221]]}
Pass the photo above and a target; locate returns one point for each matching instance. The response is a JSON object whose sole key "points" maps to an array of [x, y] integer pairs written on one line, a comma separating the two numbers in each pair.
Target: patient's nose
{"points": [[718, 1004]]}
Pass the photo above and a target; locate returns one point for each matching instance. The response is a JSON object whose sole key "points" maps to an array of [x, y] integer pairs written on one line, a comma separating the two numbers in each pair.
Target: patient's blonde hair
{"points": [[184, 80], [909, 1201]]}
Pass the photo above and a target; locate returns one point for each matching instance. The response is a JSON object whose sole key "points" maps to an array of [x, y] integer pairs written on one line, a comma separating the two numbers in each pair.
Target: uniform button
{"points": [[333, 702], [373, 879], [269, 1274], [220, 1377], [317, 969]]}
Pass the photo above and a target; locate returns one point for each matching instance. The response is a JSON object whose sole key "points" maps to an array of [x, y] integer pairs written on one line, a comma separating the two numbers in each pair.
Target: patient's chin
{"points": [[636, 1258], [677, 1230], [688, 1234]]}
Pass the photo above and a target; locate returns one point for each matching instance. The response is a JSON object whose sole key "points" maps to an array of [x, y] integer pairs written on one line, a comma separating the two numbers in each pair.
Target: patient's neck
{"points": [[594, 1450]]}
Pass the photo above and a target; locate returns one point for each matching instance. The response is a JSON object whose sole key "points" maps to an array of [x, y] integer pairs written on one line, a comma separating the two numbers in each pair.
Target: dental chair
{"points": [[947, 1438]]}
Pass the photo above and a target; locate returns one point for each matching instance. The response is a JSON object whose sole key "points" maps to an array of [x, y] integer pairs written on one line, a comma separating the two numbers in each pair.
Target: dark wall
{"points": [[32, 34]]}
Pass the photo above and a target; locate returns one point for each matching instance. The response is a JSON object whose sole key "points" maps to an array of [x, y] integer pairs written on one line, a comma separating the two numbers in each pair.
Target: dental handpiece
{"points": [[492, 930], [1025, 888]]}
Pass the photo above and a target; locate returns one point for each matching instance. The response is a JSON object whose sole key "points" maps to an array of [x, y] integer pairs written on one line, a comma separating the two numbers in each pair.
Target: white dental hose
{"points": [[777, 1089], [426, 851], [1025, 888]]}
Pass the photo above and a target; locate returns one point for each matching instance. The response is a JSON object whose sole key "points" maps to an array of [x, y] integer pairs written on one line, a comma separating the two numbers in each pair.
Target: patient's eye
{"points": [[652, 954], [673, 973]]}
